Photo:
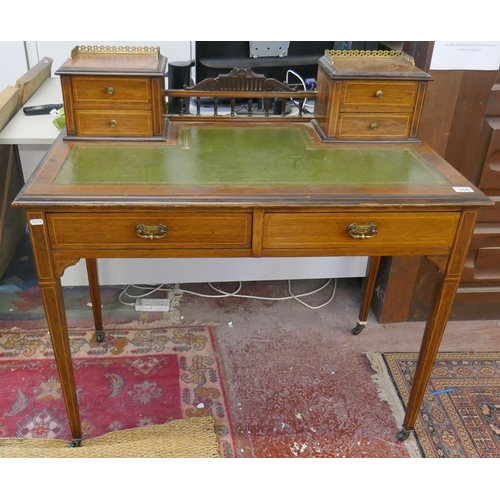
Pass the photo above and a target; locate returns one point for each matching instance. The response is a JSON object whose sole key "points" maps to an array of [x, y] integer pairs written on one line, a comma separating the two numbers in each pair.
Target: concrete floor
{"points": [[298, 382]]}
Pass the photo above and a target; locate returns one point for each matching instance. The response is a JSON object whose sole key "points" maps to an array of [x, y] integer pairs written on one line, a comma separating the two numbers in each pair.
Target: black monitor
{"points": [[215, 58]]}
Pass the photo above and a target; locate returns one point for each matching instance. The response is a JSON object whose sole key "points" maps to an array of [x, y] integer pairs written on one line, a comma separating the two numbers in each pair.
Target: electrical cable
{"points": [[150, 292], [222, 293], [303, 85]]}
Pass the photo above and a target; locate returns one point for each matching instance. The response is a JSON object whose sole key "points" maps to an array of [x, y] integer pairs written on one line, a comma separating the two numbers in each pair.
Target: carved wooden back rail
{"points": [[241, 84]]}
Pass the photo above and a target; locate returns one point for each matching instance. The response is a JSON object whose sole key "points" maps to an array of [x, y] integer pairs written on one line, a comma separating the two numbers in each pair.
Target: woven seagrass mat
{"points": [[185, 438], [460, 411]]}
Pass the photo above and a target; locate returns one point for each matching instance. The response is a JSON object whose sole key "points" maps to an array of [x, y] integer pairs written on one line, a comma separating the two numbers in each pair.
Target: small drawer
{"points": [[378, 96], [374, 126], [361, 233], [117, 123], [164, 230], [108, 89]]}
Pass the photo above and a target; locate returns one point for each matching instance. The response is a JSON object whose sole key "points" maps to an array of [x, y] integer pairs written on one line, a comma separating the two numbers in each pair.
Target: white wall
{"points": [[13, 63]]}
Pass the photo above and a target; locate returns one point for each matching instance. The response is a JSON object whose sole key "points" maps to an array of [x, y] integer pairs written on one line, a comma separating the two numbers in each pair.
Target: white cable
{"points": [[125, 291], [303, 84], [291, 296], [314, 307], [222, 293]]}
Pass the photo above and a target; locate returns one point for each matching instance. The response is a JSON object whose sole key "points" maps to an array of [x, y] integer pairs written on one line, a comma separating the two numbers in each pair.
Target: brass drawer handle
{"points": [[362, 231], [374, 126], [110, 90], [151, 232], [379, 94], [113, 123]]}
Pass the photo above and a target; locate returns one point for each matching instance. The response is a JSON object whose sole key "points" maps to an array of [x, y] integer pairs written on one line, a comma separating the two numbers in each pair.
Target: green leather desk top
{"points": [[215, 156], [245, 165]]}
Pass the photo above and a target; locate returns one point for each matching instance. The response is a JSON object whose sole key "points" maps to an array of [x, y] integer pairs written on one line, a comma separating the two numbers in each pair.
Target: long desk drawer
{"points": [[151, 230], [359, 231]]}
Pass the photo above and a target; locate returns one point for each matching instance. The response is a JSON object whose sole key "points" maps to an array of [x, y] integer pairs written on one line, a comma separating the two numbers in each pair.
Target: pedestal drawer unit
{"points": [[374, 97], [114, 92]]}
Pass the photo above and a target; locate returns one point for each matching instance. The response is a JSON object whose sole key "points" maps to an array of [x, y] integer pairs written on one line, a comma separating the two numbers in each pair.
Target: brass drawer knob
{"points": [[151, 232], [110, 90], [113, 123], [374, 126], [362, 231], [379, 94]]}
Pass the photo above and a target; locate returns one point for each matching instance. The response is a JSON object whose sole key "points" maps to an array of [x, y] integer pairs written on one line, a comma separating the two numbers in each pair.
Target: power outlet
{"points": [[152, 305]]}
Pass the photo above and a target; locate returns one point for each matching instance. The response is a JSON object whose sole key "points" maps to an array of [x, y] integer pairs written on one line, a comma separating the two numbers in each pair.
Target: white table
{"points": [[35, 129], [34, 134]]}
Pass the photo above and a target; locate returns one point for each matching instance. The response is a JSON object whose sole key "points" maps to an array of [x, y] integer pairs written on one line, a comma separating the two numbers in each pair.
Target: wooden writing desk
{"points": [[245, 190]]}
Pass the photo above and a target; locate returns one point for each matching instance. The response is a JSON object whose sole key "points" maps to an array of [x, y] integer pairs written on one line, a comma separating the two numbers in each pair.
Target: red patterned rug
{"points": [[138, 376], [460, 414]]}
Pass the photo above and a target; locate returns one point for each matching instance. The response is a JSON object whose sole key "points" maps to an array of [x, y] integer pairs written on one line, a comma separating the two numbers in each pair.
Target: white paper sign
{"points": [[466, 55]]}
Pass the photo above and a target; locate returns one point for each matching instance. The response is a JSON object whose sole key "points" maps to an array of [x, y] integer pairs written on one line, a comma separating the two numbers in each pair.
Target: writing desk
{"points": [[245, 190]]}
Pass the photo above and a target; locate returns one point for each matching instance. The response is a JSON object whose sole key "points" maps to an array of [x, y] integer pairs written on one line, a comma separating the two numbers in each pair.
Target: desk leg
{"points": [[53, 302], [437, 320], [368, 287], [95, 297], [49, 272]]}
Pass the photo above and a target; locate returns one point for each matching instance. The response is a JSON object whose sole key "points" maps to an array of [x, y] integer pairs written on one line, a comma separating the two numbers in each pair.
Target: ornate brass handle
{"points": [[113, 123], [151, 232], [110, 90], [379, 94], [374, 126], [362, 231]]}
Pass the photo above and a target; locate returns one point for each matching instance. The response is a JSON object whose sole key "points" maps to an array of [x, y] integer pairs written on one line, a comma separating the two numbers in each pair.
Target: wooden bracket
{"points": [[440, 261], [62, 264]]}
